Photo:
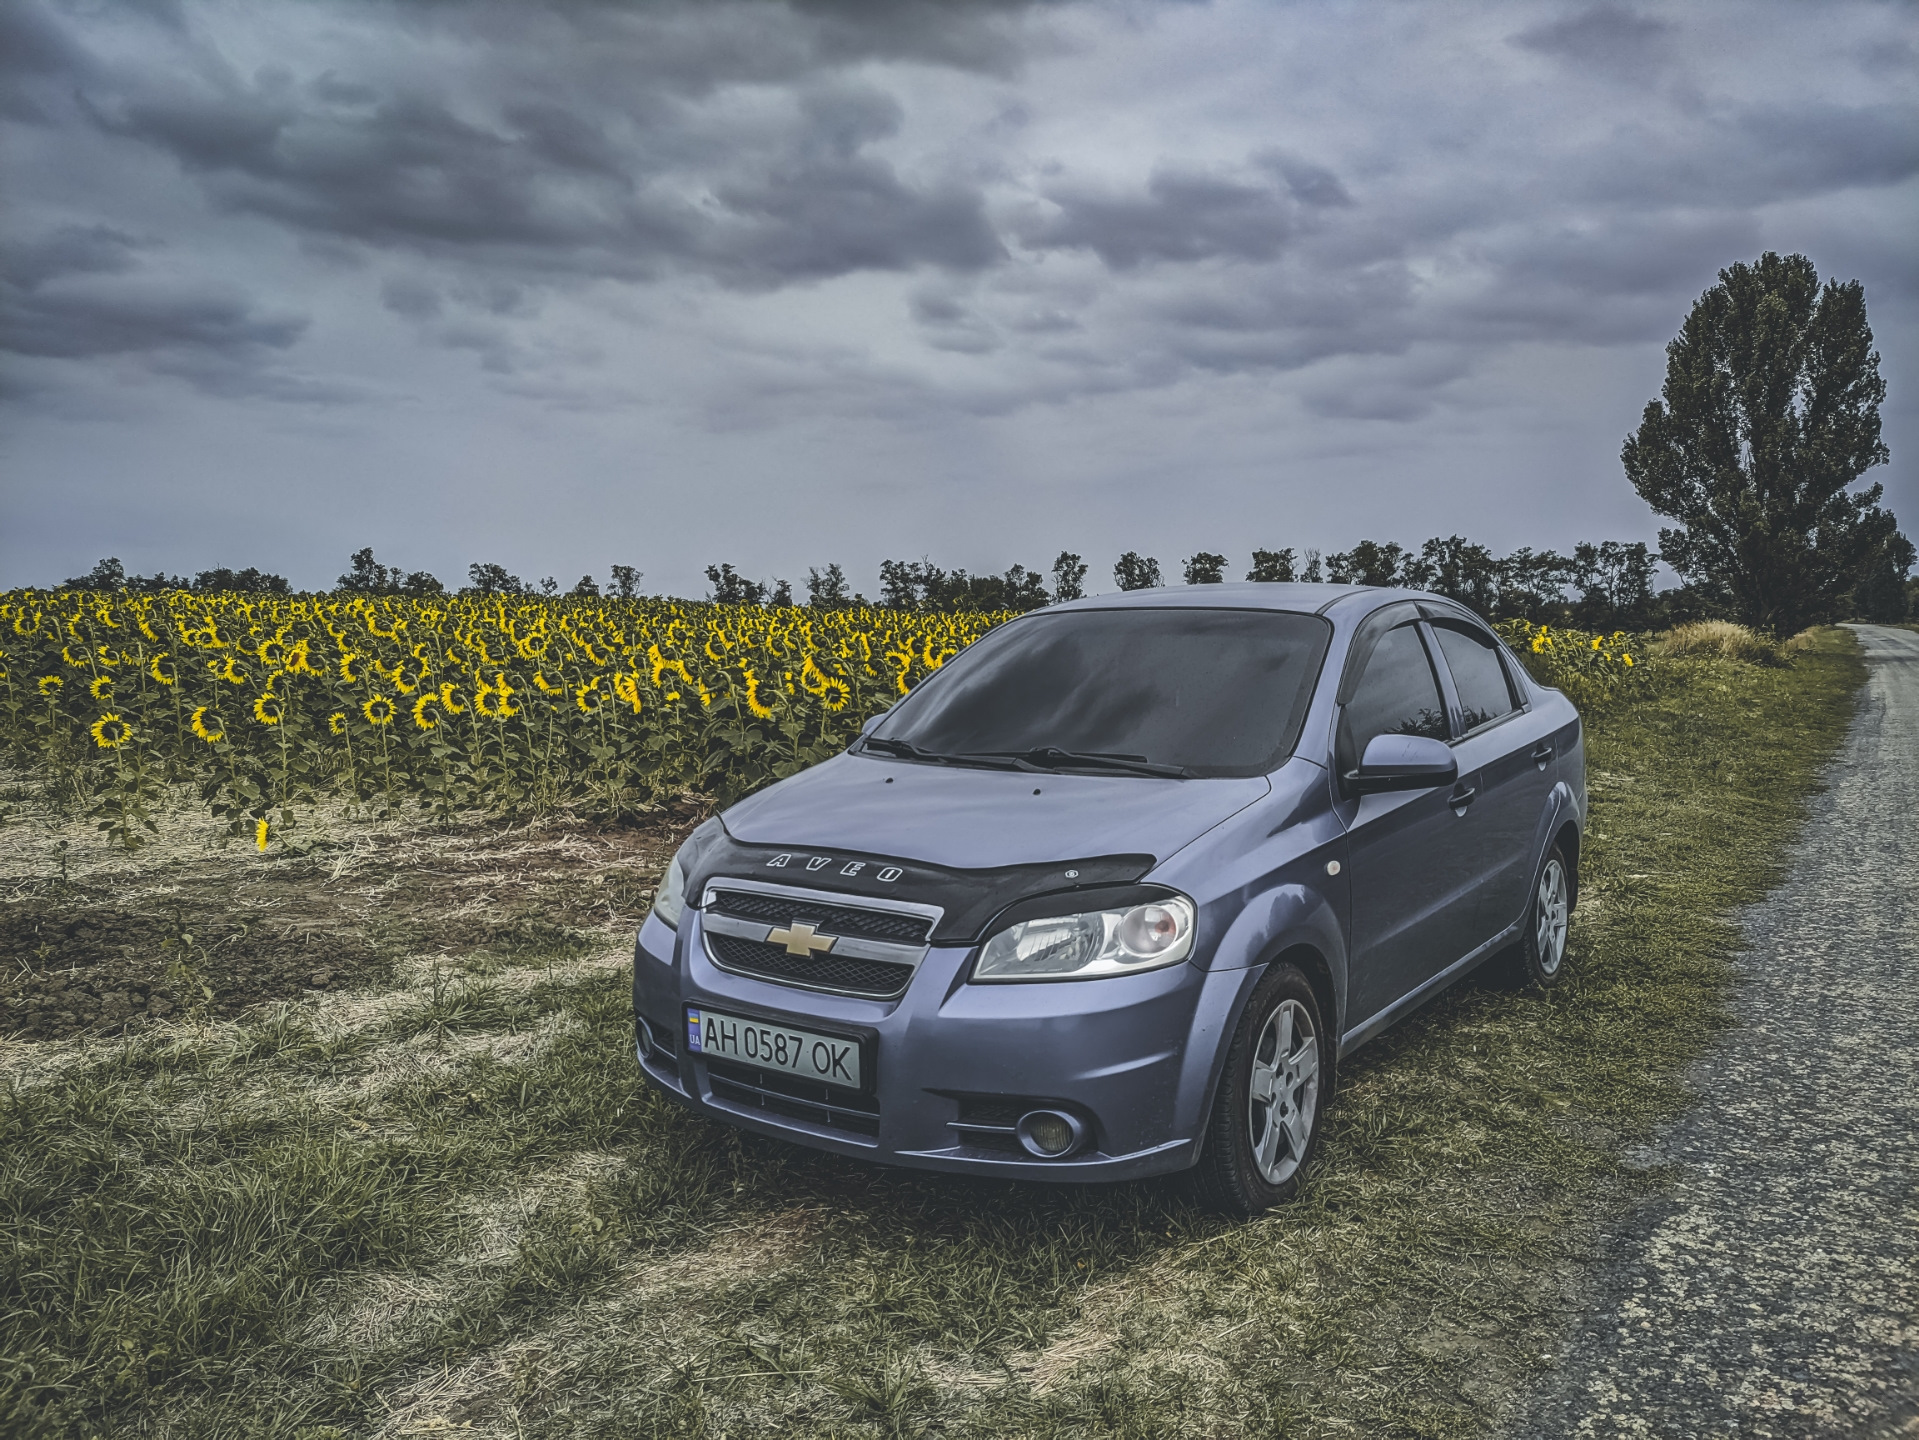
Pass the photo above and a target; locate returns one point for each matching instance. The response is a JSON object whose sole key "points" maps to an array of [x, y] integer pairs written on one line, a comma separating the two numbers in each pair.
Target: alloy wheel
{"points": [[1283, 1096], [1550, 917]]}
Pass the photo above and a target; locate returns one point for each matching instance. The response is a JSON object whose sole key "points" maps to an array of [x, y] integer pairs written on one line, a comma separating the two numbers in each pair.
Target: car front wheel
{"points": [[1265, 1118]]}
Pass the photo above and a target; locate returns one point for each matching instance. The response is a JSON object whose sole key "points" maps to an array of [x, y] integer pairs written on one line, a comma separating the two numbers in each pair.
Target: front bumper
{"points": [[1135, 1056]]}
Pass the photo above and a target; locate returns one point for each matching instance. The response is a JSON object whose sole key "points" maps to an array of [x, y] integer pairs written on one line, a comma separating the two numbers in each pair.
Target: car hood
{"points": [[974, 819]]}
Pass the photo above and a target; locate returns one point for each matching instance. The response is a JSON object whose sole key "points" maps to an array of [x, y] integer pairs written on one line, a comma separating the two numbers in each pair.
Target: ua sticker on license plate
{"points": [[773, 1047]]}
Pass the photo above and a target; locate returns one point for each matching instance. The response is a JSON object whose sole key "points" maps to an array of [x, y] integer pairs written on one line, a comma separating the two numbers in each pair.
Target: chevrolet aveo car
{"points": [[1113, 892]]}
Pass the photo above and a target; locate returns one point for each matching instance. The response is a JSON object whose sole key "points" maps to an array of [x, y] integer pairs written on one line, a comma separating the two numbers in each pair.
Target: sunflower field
{"points": [[507, 704]]}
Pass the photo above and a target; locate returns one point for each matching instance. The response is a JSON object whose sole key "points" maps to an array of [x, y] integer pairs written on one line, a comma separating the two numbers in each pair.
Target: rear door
{"points": [[1509, 752], [1411, 878]]}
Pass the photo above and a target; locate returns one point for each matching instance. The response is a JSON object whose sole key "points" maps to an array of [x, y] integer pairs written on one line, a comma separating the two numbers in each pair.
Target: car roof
{"points": [[1299, 598]]}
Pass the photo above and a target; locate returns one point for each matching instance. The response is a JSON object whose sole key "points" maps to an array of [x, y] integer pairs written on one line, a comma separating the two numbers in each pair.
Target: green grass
{"points": [[460, 1206]]}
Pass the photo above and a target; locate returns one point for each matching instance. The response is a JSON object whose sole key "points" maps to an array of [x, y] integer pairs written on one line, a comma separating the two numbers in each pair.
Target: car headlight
{"points": [[670, 899], [1091, 943]]}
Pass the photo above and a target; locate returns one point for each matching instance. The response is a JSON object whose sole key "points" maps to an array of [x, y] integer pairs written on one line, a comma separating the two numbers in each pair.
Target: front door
{"points": [[1509, 751], [1412, 870]]}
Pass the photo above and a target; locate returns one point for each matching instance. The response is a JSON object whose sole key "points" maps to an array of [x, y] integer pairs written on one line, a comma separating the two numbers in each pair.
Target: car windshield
{"points": [[1203, 692]]}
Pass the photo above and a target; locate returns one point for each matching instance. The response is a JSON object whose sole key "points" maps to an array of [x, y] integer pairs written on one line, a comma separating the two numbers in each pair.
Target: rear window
{"points": [[1221, 692]]}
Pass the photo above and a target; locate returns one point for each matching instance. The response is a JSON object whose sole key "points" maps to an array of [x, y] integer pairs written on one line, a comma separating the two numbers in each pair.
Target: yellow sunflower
{"points": [[627, 687], [420, 717], [50, 685], [268, 709], [346, 667], [336, 722], [260, 836], [449, 698], [201, 728], [753, 702], [101, 687], [229, 674], [161, 675], [496, 700], [588, 697], [378, 710], [110, 732], [836, 694]]}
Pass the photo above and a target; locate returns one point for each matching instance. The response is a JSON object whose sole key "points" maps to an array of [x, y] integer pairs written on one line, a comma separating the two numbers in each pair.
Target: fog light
{"points": [[1050, 1134], [647, 1042]]}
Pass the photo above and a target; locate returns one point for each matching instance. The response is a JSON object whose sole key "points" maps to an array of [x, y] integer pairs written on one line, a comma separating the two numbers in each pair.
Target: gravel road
{"points": [[1773, 1291]]}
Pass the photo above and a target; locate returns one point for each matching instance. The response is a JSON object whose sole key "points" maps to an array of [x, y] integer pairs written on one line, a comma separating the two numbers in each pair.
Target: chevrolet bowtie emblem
{"points": [[801, 939]]}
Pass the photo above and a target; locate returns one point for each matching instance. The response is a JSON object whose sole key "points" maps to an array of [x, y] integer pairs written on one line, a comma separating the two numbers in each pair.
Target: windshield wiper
{"points": [[1051, 757], [906, 750]]}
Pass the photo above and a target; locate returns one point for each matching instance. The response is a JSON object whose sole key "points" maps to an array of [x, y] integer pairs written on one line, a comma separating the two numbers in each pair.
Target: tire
{"points": [[1265, 1120], [1539, 959]]}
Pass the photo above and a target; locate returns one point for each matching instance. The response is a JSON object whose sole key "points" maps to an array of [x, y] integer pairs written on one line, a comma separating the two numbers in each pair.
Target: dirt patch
{"points": [[77, 967], [216, 933]]}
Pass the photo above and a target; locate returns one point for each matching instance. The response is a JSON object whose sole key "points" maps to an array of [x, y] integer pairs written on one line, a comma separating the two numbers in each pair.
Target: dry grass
{"points": [[441, 1201], [1724, 640]]}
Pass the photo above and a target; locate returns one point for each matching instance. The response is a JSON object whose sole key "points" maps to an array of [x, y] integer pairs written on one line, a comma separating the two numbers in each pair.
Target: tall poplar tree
{"points": [[1769, 413]]}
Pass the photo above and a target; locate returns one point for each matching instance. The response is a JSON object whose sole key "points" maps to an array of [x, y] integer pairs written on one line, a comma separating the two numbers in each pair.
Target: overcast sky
{"points": [[668, 283]]}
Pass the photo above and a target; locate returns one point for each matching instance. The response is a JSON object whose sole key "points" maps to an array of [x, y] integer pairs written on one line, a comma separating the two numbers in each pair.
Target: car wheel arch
{"points": [[1307, 959], [1567, 839]]}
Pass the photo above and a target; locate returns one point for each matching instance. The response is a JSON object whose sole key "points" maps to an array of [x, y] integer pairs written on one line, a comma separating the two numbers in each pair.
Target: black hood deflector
{"points": [[970, 898]]}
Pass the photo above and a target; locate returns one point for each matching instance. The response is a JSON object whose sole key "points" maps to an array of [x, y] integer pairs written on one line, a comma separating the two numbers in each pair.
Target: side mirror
{"points": [[873, 723], [1403, 762]]}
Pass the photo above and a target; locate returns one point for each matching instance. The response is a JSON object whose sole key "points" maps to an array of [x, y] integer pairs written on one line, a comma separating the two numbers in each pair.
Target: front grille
{"points": [[795, 1099], [824, 972], [994, 1110], [830, 919]]}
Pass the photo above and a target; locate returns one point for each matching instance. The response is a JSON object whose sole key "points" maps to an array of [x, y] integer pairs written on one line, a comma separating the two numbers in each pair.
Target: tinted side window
{"points": [[1397, 695], [1477, 675]]}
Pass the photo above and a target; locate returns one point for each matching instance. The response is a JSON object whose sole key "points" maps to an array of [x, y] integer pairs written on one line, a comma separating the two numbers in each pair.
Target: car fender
{"points": [[1278, 919], [1284, 919]]}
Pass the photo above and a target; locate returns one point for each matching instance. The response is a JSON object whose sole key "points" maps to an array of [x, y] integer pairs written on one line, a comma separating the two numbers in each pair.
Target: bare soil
{"points": [[221, 930]]}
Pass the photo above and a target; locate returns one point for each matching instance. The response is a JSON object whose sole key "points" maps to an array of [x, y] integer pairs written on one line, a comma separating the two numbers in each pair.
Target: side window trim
{"points": [[1407, 617], [1443, 673], [1455, 713], [1515, 679], [1372, 630]]}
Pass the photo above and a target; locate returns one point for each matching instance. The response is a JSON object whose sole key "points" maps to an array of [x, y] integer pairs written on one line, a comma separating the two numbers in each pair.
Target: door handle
{"points": [[1542, 752], [1462, 796]]}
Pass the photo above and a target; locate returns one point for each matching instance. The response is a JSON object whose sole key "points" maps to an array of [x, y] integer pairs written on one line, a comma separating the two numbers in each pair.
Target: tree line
{"points": [[1605, 585]]}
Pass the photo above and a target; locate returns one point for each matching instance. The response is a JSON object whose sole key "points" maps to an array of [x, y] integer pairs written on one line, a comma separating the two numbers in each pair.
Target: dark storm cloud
{"points": [[70, 322], [1606, 38], [492, 159], [80, 292], [32, 43], [1180, 216], [28, 262], [563, 179]]}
